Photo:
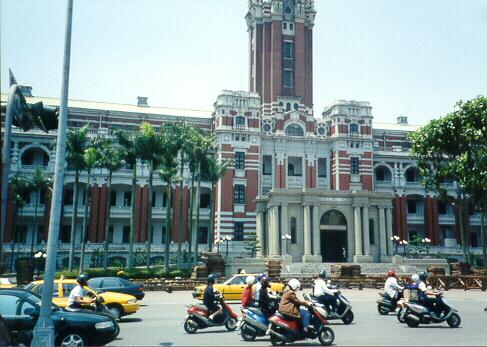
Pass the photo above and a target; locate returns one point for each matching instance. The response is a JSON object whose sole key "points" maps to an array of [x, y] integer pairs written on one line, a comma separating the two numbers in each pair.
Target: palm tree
{"points": [[90, 158], [149, 146], [128, 144], [110, 158], [39, 182], [76, 144], [215, 171], [22, 189]]}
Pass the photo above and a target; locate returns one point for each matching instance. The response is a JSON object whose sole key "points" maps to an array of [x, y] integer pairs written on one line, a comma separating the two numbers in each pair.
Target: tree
{"points": [[149, 146], [76, 145], [128, 144], [39, 182], [22, 189], [90, 158], [251, 244], [455, 147], [110, 158], [215, 170]]}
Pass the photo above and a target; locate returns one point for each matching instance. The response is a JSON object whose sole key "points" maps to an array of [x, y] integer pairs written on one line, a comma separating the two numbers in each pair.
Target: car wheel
{"points": [[231, 324], [326, 336], [71, 339], [115, 311], [454, 321]]}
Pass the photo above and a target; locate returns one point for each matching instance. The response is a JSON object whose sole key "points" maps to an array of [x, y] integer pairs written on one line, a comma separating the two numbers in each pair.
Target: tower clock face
{"points": [[288, 7]]}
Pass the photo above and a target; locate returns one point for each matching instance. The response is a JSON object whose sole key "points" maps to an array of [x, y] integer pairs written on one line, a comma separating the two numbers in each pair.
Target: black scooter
{"points": [[417, 314], [343, 309]]}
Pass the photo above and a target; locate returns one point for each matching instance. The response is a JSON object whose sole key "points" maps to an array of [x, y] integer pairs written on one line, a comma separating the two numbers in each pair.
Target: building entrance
{"points": [[334, 243]]}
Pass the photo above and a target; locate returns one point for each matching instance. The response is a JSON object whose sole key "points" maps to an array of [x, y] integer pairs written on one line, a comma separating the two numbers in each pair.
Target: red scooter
{"points": [[284, 330], [198, 317]]}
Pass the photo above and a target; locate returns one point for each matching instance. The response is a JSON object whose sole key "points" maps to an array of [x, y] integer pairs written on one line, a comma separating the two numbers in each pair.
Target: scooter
{"points": [[198, 317], [285, 330], [343, 310], [97, 305], [416, 314], [254, 322], [385, 304]]}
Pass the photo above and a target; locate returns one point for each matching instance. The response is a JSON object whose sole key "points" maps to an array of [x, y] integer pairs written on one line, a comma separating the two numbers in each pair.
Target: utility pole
{"points": [[44, 329]]}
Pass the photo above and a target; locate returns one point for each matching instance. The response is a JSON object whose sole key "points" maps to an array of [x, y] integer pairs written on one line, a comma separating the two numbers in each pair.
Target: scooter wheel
{"points": [[384, 311], [399, 316], [348, 318], [231, 324], [454, 321], [411, 322], [276, 341], [190, 328], [247, 335], [326, 336]]}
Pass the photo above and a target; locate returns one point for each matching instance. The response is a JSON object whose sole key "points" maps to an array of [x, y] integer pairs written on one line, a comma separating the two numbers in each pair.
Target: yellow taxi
{"points": [[5, 283], [118, 304], [232, 289]]}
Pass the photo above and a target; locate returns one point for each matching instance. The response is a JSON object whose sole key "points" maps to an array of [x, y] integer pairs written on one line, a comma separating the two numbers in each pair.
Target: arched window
{"points": [[35, 156], [382, 174], [294, 130], [293, 230], [413, 175], [296, 106], [333, 217], [288, 106]]}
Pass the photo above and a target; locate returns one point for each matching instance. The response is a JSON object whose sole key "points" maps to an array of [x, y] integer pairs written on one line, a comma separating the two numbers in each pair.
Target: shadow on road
{"points": [[168, 344], [130, 320]]}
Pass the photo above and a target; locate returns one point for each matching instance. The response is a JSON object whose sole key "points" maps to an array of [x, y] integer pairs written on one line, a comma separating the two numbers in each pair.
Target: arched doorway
{"points": [[333, 226]]}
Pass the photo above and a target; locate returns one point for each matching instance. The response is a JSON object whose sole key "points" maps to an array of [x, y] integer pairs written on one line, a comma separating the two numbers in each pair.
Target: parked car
{"points": [[117, 285], [6, 283], [20, 309], [4, 334], [232, 289], [118, 304]]}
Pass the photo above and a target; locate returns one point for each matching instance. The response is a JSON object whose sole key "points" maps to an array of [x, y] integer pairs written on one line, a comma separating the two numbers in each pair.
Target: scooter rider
{"points": [[209, 298], [290, 305], [257, 290], [428, 297], [247, 293], [323, 293], [77, 295], [391, 287], [264, 299]]}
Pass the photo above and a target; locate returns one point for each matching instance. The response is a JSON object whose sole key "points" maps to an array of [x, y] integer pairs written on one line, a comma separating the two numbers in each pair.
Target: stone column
{"points": [[284, 227], [316, 232], [259, 228], [358, 231], [390, 246], [366, 233], [382, 233], [273, 231], [307, 230]]}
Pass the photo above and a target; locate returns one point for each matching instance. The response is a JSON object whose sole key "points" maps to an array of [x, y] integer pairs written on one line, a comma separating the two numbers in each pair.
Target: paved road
{"points": [[158, 323]]}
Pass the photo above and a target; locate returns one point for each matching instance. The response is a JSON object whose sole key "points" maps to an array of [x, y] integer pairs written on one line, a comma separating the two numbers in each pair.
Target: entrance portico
{"points": [[325, 226]]}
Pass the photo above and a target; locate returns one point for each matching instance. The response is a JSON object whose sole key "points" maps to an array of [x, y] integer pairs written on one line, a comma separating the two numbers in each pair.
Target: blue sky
{"points": [[407, 57]]}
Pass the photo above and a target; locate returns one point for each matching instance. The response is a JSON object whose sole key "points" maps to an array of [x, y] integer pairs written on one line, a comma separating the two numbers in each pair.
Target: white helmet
{"points": [[294, 284], [250, 280], [415, 278]]}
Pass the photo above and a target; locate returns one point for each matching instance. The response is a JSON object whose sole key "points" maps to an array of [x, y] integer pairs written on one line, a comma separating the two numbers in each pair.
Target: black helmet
{"points": [[423, 276], [211, 279], [323, 274], [260, 276], [264, 281], [83, 279]]}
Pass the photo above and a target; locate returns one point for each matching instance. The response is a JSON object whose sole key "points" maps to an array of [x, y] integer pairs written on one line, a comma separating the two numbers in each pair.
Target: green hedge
{"points": [[136, 273]]}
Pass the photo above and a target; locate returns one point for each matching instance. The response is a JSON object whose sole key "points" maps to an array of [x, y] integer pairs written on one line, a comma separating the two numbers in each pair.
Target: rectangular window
{"points": [[239, 194], [40, 233], [65, 234], [239, 160], [291, 26], [371, 232], [284, 26], [293, 230], [205, 200], [288, 50], [321, 167], [68, 197], [126, 234], [110, 234], [203, 235], [354, 166], [288, 78], [163, 235], [412, 207], [238, 231], [113, 198], [153, 199], [267, 165], [127, 198], [42, 198], [164, 199]]}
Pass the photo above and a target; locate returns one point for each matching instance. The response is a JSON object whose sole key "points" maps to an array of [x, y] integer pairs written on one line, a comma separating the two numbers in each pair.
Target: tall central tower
{"points": [[281, 50]]}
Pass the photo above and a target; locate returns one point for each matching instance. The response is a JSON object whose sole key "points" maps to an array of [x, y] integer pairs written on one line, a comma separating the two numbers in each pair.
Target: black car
{"points": [[117, 285], [20, 311]]}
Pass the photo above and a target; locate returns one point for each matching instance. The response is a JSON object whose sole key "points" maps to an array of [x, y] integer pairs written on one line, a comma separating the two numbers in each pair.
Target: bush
{"points": [[136, 273]]}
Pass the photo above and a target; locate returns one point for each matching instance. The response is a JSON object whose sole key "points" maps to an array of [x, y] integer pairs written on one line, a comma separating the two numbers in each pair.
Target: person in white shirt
{"points": [[256, 294], [391, 287], [428, 297], [76, 297], [323, 293]]}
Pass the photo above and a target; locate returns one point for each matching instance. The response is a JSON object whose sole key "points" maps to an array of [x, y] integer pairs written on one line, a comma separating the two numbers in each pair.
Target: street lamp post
{"points": [[218, 242], [285, 238], [38, 258], [427, 242], [44, 329], [226, 239], [404, 244], [395, 239]]}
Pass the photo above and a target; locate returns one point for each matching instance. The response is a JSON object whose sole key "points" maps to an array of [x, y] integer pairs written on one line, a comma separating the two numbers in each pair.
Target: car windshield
{"points": [[37, 300]]}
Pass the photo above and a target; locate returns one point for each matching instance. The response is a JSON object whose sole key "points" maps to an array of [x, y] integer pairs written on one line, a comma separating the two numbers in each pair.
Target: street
{"points": [[158, 323]]}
